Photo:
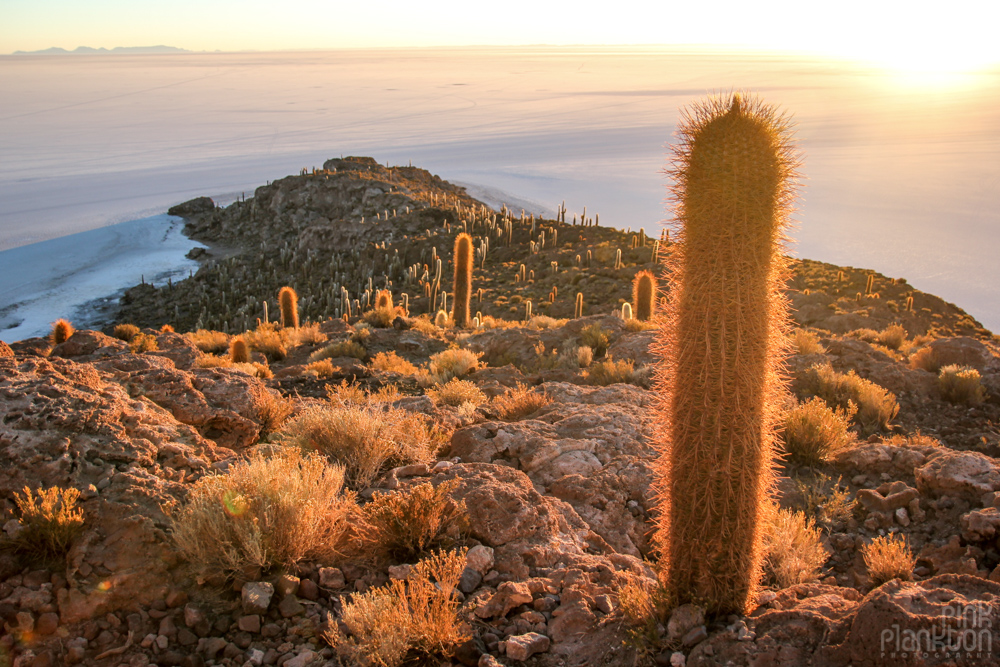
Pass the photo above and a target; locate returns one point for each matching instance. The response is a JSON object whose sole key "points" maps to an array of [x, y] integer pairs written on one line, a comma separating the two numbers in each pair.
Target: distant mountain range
{"points": [[88, 50]]}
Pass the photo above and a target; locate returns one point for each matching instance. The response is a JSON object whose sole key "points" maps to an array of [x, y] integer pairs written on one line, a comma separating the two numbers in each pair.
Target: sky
{"points": [[958, 35]]}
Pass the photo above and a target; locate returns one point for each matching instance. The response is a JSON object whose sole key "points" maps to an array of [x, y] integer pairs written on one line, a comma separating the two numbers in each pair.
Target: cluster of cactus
{"points": [[719, 385]]}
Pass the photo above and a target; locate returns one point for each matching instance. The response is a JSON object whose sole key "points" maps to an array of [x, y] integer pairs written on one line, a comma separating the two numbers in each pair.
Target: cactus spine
{"points": [[644, 295], [462, 290], [289, 303], [721, 344]]}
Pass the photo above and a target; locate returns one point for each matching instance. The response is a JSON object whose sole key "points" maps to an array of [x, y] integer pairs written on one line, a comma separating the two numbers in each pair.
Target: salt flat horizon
{"points": [[901, 176]]}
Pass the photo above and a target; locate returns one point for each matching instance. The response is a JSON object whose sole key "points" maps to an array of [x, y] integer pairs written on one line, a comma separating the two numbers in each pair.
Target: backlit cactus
{"points": [[61, 331], [644, 295], [462, 291], [288, 301], [722, 346], [238, 351]]}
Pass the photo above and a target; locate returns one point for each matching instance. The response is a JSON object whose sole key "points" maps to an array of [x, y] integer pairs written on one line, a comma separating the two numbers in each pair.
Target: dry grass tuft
{"points": [[209, 342], [584, 356], [424, 325], [405, 622], [961, 384], [806, 342], [344, 348], [596, 338], [925, 359], [541, 322], [272, 409], [250, 368], [143, 343], [265, 512], [813, 432], [390, 362], [320, 369], [876, 407], [793, 551], [888, 558], [457, 392], [50, 521], [454, 363], [404, 525], [610, 371], [641, 603], [269, 340], [363, 437], [633, 325], [307, 334], [382, 317], [519, 402], [125, 332]]}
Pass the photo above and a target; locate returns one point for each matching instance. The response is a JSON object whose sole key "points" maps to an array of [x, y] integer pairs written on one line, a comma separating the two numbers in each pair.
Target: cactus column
{"points": [[721, 345], [463, 280]]}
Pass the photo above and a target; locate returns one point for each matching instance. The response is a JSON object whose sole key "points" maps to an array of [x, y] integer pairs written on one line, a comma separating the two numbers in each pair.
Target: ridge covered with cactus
{"points": [[301, 456]]}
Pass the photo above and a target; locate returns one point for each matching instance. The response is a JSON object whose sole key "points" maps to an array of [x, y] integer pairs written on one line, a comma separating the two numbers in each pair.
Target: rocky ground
{"points": [[558, 501]]}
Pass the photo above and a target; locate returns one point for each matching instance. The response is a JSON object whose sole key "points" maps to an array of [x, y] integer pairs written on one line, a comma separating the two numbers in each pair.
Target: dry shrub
{"points": [[391, 362], [405, 622], [490, 322], [344, 348], [519, 402], [354, 394], [541, 322], [143, 343], [253, 368], [125, 332], [265, 512], [382, 317], [633, 325], [320, 369], [961, 384], [364, 438], [307, 334], [888, 558], [49, 522], [641, 602], [610, 371], [404, 525], [806, 342], [424, 325], [449, 364], [813, 432], [457, 392], [584, 356], [892, 337], [269, 340], [793, 551], [272, 409], [925, 359], [876, 407], [210, 342], [596, 338]]}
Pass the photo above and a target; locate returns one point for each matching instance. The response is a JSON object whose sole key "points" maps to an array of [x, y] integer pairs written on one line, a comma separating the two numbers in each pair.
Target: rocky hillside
{"points": [[538, 461]]}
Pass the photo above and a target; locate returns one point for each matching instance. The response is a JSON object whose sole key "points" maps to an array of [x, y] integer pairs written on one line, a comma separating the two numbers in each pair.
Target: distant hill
{"points": [[89, 50]]}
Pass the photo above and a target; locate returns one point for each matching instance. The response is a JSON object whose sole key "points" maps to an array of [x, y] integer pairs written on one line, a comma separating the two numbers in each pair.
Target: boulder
{"points": [[192, 207]]}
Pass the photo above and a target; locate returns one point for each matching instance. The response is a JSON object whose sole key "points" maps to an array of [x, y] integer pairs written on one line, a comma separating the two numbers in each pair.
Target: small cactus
{"points": [[288, 301], [578, 307], [61, 331], [626, 311], [463, 280], [383, 300], [644, 295], [238, 351]]}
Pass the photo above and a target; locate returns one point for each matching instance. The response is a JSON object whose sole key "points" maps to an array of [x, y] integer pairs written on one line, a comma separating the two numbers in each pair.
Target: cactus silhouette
{"points": [[644, 295], [722, 344], [462, 291], [238, 351], [61, 331], [288, 301]]}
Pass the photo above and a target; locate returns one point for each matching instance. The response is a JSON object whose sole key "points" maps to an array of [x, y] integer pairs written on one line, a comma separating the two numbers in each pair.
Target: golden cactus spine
{"points": [[238, 351], [644, 295], [722, 346], [289, 303], [61, 331], [462, 290]]}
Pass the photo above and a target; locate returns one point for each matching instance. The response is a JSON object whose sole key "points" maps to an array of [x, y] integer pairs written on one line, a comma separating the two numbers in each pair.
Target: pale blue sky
{"points": [[908, 34]]}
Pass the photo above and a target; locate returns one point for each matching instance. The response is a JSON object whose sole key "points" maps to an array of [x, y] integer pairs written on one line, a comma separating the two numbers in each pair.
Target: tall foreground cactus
{"points": [[722, 344], [463, 280]]}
